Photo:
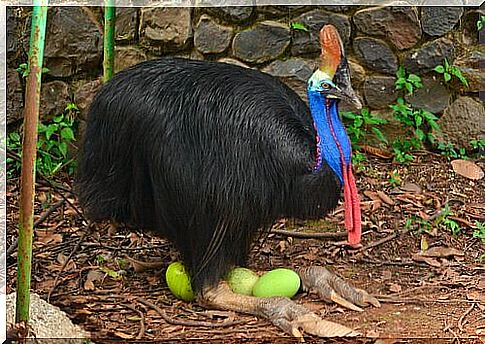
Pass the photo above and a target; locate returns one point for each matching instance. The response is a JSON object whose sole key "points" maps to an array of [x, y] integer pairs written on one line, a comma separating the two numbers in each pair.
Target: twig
{"points": [[380, 241], [304, 235], [180, 322], [142, 319], [67, 261], [460, 321], [37, 222]]}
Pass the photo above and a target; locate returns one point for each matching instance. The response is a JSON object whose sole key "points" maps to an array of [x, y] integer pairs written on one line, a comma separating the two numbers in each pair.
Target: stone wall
{"points": [[377, 40]]}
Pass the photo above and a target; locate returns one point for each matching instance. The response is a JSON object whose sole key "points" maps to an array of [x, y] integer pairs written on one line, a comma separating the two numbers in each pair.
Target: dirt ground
{"points": [[90, 272]]}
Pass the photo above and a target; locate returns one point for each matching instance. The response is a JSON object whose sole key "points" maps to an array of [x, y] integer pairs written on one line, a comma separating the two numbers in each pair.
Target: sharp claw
{"points": [[342, 302]]}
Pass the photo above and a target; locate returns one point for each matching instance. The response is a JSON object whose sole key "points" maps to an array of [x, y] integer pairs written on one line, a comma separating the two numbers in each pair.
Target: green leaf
{"points": [[418, 120], [433, 124], [348, 115], [358, 122], [51, 129], [429, 115], [439, 69], [447, 77], [401, 72], [67, 134], [299, 26], [414, 78], [63, 148], [58, 118], [14, 136], [409, 87], [420, 134], [379, 134]]}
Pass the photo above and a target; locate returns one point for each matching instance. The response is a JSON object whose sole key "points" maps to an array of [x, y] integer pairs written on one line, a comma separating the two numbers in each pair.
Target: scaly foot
{"points": [[318, 280]]}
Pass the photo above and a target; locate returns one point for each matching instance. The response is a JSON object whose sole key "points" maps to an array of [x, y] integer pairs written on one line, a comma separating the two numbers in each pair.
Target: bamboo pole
{"points": [[29, 153], [109, 39]]}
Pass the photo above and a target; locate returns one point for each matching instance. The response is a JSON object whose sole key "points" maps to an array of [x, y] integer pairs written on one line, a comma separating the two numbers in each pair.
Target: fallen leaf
{"points": [[442, 252], [427, 260], [395, 288], [377, 151], [424, 244], [140, 266], [468, 169], [411, 187], [372, 195], [45, 237], [385, 198], [123, 335], [93, 276]]}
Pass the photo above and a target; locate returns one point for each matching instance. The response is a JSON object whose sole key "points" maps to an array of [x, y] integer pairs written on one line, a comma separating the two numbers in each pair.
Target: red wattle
{"points": [[352, 206]]}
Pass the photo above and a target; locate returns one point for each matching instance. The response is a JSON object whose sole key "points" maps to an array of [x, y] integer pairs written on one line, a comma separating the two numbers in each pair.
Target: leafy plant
{"points": [[417, 119], [23, 69], [394, 178], [54, 139], [480, 231], [403, 148], [359, 125], [298, 27], [478, 144], [409, 82], [450, 151], [449, 70], [445, 221]]}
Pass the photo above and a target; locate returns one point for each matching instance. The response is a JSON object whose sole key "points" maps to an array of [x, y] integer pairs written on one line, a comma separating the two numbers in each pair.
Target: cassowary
{"points": [[207, 154]]}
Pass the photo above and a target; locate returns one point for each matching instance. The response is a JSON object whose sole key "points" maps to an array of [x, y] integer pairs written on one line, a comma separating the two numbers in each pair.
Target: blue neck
{"points": [[329, 130]]}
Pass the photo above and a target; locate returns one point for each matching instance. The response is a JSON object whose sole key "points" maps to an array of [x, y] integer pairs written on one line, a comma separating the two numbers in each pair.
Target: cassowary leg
{"points": [[331, 288], [291, 317]]}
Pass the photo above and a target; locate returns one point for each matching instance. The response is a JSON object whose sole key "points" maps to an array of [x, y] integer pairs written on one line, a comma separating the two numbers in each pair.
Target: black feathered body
{"points": [[203, 153]]}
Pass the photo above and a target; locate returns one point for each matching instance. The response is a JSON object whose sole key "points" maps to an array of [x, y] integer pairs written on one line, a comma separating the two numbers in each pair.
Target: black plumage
{"points": [[205, 154]]}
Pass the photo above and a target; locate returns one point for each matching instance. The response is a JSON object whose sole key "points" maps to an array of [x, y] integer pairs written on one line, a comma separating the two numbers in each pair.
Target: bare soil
{"points": [[90, 274]]}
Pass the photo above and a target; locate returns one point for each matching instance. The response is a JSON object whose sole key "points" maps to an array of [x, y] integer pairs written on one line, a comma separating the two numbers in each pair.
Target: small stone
{"points": [[437, 20], [265, 42], [15, 99], [54, 99], [399, 24], [73, 41], [294, 72], [128, 56], [379, 91], [232, 14], [429, 56], [47, 323], [462, 121], [168, 28], [211, 38], [309, 42], [375, 54], [126, 18], [433, 96]]}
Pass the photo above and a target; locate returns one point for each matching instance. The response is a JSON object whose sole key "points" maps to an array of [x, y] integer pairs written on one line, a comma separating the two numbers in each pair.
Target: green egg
{"points": [[242, 280], [278, 282], [178, 282]]}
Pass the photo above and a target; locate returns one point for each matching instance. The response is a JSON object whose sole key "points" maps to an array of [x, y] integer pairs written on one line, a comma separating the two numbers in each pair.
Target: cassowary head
{"points": [[329, 84], [332, 78]]}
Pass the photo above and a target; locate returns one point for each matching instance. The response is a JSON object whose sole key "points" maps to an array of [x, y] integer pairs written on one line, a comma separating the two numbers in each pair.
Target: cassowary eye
{"points": [[325, 86]]}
